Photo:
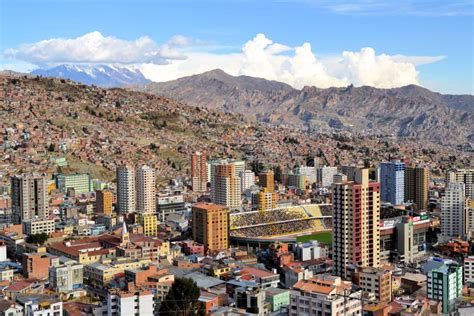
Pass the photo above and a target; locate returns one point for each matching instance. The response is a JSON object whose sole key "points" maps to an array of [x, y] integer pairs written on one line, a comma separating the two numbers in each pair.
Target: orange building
{"points": [[36, 265], [211, 226], [103, 202], [267, 180], [264, 200], [377, 281]]}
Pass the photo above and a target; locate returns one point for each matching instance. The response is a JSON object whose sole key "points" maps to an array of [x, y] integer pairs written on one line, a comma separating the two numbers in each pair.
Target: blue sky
{"points": [[441, 30]]}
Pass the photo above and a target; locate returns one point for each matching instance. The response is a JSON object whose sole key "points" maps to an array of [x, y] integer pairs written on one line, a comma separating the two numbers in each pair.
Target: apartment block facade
{"points": [[29, 197], [211, 226], [356, 240]]}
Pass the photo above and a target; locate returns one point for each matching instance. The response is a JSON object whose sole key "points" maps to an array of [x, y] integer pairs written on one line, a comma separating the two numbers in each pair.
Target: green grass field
{"points": [[323, 237]]}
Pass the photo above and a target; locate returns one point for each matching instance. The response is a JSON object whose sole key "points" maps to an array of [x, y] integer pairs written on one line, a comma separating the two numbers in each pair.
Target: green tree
{"points": [[38, 239], [182, 299]]}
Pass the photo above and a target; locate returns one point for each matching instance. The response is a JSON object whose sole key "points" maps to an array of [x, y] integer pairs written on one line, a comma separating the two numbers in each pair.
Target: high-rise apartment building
{"points": [[146, 190], [29, 197], [199, 171], [264, 200], [325, 175], [239, 166], [267, 180], [392, 182], [416, 186], [445, 285], [297, 180], [349, 171], [308, 172], [356, 220], [465, 176], [211, 226], [247, 179], [126, 189], [225, 186], [103, 202], [454, 212]]}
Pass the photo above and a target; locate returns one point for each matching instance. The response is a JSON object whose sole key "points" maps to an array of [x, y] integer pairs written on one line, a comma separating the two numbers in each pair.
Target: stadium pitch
{"points": [[322, 237]]}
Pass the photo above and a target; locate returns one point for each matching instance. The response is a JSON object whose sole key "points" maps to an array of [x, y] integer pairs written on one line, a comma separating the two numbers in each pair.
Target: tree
{"points": [[182, 299], [38, 239]]}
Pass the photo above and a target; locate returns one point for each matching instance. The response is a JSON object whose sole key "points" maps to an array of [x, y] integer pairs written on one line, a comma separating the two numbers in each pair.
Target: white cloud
{"points": [[95, 48], [417, 60], [433, 8], [259, 57], [299, 66]]}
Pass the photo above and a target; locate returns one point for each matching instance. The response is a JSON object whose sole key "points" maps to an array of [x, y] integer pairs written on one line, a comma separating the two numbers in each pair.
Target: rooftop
{"points": [[209, 206], [203, 281], [271, 291], [256, 272]]}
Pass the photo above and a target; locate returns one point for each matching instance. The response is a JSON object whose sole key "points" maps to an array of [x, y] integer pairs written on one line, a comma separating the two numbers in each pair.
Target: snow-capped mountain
{"points": [[100, 75]]}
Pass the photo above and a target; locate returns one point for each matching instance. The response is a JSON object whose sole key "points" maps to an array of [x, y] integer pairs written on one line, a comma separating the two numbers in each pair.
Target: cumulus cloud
{"points": [[95, 48], [260, 57], [299, 66]]}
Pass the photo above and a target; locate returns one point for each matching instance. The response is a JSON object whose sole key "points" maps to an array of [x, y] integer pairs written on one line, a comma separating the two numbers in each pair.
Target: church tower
{"points": [[125, 236]]}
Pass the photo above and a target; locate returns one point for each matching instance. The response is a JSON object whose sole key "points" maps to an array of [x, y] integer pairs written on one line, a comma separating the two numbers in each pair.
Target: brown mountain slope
{"points": [[42, 119], [409, 111]]}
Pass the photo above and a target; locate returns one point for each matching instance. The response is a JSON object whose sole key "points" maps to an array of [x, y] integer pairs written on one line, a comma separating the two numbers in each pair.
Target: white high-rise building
{"points": [[146, 190], [454, 212], [247, 179], [325, 176], [126, 189], [225, 186], [465, 176], [308, 172]]}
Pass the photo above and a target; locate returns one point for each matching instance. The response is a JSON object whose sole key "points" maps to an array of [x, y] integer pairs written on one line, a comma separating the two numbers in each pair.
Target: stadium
{"points": [[258, 229]]}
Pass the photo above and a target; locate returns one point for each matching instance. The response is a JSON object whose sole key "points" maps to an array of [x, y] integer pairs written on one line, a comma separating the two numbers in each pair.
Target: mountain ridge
{"points": [[409, 111], [101, 75]]}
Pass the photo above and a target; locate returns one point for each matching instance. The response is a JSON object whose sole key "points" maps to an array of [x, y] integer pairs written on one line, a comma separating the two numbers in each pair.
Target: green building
{"points": [[79, 182], [98, 185], [278, 298], [445, 284]]}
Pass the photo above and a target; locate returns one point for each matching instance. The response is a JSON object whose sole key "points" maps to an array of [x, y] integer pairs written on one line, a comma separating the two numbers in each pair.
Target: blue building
{"points": [[98, 229], [392, 182]]}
